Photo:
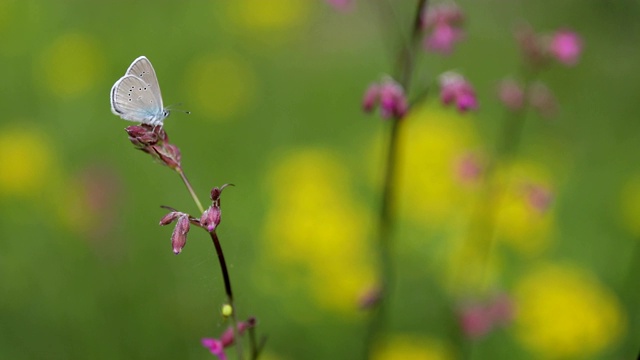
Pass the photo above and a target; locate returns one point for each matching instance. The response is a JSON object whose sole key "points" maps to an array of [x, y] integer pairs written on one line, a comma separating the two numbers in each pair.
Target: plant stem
{"points": [[404, 72], [228, 291], [190, 188]]}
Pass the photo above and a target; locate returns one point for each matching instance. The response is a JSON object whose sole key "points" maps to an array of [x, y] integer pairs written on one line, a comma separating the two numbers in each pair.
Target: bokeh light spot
{"points": [[563, 312], [71, 65], [220, 86]]}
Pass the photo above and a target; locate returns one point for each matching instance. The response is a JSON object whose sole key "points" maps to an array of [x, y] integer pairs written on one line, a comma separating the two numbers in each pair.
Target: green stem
{"points": [[190, 188], [404, 71]]}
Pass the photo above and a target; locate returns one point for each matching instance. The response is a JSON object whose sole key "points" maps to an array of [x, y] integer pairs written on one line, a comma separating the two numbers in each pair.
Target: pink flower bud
{"points": [[566, 47], [170, 217], [227, 338], [215, 346], [539, 197], [475, 321], [371, 98], [511, 94], [442, 22], [211, 218], [454, 88], [179, 236], [469, 169], [393, 103]]}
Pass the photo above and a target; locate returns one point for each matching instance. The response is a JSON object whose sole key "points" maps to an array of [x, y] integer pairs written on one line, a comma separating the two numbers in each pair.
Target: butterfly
{"points": [[136, 96]]}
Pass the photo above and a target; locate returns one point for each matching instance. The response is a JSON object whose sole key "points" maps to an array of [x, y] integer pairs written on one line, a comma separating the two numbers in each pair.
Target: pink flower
{"points": [[478, 319], [215, 346], [341, 5], [539, 197], [511, 94], [443, 22], [469, 169], [566, 47], [389, 95], [454, 88]]}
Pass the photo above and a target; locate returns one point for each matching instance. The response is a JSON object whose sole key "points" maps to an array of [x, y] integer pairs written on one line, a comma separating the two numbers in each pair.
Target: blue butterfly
{"points": [[136, 96]]}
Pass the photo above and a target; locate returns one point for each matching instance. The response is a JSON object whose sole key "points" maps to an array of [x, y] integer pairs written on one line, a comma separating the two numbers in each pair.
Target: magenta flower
{"points": [[469, 169], [539, 197], [442, 24], [215, 346], [477, 319], [566, 47], [454, 88], [389, 95]]}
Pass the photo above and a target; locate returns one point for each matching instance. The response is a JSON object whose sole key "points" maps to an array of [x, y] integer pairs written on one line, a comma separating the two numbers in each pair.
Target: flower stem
{"points": [[190, 188], [404, 71], [228, 291]]}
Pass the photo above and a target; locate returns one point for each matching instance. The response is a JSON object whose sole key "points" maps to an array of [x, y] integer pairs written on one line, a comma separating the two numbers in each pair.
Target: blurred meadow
{"points": [[275, 89]]}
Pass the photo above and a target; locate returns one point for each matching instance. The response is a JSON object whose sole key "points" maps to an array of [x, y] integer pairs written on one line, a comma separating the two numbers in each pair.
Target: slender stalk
{"points": [[228, 291], [190, 188], [404, 71], [223, 265]]}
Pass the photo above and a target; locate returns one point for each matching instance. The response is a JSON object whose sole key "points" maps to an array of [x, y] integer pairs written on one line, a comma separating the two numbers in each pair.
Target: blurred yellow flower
{"points": [[28, 160], [264, 18], [630, 205], [432, 142], [405, 347], [314, 225], [520, 221], [563, 312], [220, 85], [71, 65]]}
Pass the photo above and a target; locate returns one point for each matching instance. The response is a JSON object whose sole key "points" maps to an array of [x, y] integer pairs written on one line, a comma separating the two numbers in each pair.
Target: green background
{"points": [[264, 79]]}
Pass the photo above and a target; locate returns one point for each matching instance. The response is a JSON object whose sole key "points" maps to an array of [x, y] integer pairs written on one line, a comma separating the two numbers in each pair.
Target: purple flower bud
{"points": [[393, 103], [442, 21], [539, 197], [341, 5], [179, 236], [215, 346], [566, 47], [211, 218], [371, 98], [455, 89], [511, 94], [227, 337], [170, 217]]}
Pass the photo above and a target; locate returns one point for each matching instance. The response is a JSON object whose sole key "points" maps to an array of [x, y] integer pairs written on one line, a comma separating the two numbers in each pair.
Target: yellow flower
{"points": [[71, 65], [314, 225], [519, 223], [563, 312], [404, 347], [220, 85], [268, 21], [27, 159]]}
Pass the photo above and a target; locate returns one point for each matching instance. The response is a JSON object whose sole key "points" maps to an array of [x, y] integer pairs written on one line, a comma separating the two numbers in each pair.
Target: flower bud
{"points": [[454, 88], [179, 236], [170, 217], [566, 47], [371, 98], [211, 218], [542, 100]]}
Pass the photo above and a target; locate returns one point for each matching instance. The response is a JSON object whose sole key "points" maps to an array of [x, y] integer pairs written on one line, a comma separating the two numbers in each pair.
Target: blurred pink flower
{"points": [[469, 168], [442, 23], [389, 95], [542, 100], [454, 88], [478, 319], [215, 346], [566, 47], [540, 197], [511, 94], [342, 5]]}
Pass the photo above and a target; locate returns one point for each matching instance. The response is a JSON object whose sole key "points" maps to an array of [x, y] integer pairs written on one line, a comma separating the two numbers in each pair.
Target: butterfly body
{"points": [[136, 96]]}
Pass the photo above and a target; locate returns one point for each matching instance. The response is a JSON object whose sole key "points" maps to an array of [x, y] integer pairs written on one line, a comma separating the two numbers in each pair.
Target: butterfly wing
{"points": [[142, 68], [133, 99]]}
